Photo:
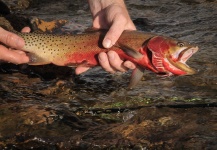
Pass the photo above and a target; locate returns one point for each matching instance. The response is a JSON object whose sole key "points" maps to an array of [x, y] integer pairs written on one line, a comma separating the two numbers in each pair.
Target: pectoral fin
{"points": [[130, 51], [136, 77], [36, 60]]}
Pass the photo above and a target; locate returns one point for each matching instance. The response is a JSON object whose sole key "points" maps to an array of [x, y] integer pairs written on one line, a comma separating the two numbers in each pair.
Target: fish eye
{"points": [[180, 44]]}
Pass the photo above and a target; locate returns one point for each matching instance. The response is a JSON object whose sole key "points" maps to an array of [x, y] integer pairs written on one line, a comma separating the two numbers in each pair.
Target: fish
{"points": [[160, 54]]}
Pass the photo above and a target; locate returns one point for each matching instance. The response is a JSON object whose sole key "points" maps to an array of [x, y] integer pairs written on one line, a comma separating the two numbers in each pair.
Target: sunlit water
{"points": [[43, 109]]}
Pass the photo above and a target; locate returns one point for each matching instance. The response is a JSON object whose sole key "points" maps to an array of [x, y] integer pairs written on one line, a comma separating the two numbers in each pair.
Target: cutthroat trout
{"points": [[162, 55]]}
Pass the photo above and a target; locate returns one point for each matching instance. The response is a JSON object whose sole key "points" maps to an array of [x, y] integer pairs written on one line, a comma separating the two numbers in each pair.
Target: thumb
{"points": [[113, 33]]}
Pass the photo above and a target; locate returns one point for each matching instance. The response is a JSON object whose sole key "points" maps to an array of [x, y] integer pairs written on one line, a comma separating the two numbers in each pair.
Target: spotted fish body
{"points": [[72, 50], [159, 54], [61, 50]]}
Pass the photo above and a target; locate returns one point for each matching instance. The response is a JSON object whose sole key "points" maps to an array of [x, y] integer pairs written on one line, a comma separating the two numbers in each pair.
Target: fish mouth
{"points": [[180, 62]]}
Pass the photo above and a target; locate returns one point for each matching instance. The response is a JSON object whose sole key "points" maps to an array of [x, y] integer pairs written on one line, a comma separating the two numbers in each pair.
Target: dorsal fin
{"points": [[92, 30]]}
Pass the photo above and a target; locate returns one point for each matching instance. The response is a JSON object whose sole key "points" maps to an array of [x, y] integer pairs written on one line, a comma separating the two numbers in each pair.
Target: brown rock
{"points": [[47, 26], [14, 5], [4, 23]]}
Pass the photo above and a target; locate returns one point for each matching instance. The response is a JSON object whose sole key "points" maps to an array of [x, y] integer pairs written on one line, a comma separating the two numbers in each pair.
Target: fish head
{"points": [[169, 56]]}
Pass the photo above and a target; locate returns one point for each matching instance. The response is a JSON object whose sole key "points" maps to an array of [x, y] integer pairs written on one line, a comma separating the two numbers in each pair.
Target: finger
{"points": [[114, 32], [13, 56], [129, 65], [116, 62], [81, 69], [104, 62], [26, 30], [11, 39]]}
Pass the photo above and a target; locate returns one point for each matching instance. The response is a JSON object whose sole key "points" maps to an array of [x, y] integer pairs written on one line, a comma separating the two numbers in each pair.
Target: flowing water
{"points": [[47, 106]]}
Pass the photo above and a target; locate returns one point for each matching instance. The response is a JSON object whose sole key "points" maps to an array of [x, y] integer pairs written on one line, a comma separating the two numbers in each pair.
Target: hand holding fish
{"points": [[12, 40], [114, 16]]}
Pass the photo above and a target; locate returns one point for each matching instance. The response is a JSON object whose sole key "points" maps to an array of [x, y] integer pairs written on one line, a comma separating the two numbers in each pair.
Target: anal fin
{"points": [[136, 77]]}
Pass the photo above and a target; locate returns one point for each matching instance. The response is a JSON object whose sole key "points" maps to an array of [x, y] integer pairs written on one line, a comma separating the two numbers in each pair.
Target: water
{"points": [[48, 107], [193, 21]]}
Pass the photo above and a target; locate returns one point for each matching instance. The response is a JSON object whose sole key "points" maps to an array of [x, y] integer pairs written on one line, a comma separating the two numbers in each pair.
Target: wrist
{"points": [[97, 5]]}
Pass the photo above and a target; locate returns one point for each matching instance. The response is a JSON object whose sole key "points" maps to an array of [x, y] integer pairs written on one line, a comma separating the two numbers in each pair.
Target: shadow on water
{"points": [[48, 107]]}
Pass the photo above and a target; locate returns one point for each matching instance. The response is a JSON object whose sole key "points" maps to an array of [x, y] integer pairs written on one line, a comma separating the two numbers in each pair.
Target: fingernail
{"points": [[27, 59], [107, 43], [20, 42], [111, 56], [102, 57], [129, 65]]}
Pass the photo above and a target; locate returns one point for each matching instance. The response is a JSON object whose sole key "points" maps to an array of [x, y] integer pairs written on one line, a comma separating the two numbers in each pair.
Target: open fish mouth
{"points": [[180, 62]]}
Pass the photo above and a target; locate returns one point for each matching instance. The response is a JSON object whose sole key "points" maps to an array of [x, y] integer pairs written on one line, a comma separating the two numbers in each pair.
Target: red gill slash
{"points": [[162, 55]]}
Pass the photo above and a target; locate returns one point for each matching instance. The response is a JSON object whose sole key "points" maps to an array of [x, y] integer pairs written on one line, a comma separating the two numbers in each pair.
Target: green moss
{"points": [[117, 104], [194, 99]]}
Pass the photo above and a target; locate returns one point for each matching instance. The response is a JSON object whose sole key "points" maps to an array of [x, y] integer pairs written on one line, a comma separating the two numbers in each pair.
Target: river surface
{"points": [[48, 106]]}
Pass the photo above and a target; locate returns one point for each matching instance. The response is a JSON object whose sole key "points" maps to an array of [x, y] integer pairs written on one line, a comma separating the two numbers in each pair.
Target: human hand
{"points": [[114, 16], [15, 56]]}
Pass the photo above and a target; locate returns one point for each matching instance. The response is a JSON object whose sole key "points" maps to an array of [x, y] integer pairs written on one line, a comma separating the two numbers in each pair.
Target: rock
{"points": [[18, 22], [47, 26], [14, 5], [4, 23]]}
